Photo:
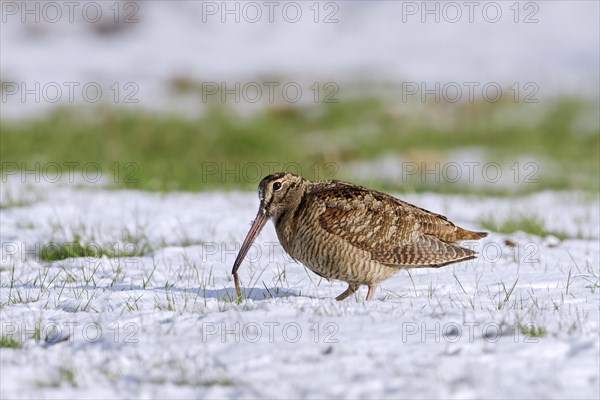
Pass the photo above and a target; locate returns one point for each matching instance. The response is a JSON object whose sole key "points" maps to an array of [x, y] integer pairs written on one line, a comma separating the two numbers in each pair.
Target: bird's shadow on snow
{"points": [[225, 294], [228, 294]]}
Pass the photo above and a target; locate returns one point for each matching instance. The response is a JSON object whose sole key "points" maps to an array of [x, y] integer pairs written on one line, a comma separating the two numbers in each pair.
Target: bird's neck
{"points": [[287, 216]]}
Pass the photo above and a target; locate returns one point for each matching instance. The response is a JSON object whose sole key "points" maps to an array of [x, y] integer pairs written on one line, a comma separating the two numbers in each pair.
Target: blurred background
{"points": [[476, 97]]}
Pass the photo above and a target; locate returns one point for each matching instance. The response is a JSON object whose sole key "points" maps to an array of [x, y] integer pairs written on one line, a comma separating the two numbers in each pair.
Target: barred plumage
{"points": [[351, 233]]}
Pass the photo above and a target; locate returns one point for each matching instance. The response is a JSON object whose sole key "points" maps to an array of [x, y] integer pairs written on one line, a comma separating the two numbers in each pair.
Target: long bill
{"points": [[259, 222]]}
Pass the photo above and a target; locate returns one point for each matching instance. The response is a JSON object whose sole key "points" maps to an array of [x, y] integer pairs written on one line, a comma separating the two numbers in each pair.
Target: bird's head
{"points": [[277, 193]]}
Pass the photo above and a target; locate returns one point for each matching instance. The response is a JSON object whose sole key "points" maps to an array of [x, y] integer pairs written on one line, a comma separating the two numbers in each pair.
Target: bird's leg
{"points": [[371, 292], [352, 288]]}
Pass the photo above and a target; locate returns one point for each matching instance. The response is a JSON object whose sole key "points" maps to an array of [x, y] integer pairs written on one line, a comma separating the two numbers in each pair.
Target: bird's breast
{"points": [[286, 233]]}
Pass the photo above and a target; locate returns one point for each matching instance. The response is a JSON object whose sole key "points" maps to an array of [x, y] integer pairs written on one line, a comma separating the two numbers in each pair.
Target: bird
{"points": [[350, 233]]}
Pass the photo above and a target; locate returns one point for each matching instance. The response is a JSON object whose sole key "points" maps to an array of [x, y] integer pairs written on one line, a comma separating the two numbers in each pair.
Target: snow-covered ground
{"points": [[163, 325], [75, 53]]}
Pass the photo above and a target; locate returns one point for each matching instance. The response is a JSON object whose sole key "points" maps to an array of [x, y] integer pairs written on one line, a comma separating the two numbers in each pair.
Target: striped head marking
{"points": [[278, 191]]}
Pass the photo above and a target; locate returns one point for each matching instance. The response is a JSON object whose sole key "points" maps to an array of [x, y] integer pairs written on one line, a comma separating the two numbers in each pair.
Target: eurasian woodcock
{"points": [[350, 233]]}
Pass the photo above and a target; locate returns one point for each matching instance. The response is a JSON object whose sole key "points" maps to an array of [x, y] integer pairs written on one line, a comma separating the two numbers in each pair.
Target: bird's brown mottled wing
{"points": [[392, 231]]}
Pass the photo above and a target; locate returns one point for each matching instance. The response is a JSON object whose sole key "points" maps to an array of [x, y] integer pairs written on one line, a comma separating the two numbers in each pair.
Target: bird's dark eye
{"points": [[277, 186]]}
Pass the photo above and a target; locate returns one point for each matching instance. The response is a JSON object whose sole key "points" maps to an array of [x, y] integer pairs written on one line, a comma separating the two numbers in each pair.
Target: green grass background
{"points": [[166, 152]]}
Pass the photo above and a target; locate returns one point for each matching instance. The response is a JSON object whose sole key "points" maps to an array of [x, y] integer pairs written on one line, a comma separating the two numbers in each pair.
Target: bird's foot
{"points": [[352, 288], [371, 292]]}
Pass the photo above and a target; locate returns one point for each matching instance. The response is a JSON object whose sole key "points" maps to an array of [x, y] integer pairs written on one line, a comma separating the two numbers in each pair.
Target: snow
{"points": [[556, 49], [163, 325]]}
